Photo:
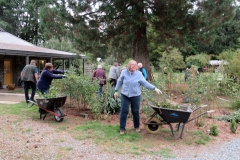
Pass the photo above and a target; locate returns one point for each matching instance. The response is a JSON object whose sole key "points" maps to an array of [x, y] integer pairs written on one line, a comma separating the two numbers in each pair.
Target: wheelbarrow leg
{"points": [[178, 126], [177, 130], [45, 114]]}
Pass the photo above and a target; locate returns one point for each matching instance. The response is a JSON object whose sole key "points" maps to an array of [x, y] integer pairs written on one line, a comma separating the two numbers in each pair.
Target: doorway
{"points": [[8, 72]]}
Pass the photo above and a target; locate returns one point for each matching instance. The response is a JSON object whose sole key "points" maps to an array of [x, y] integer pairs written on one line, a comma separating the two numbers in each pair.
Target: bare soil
{"points": [[185, 146]]}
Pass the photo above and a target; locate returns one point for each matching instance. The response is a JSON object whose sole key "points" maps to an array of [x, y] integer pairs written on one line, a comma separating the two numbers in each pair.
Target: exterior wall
{"points": [[1, 70], [18, 63], [39, 59]]}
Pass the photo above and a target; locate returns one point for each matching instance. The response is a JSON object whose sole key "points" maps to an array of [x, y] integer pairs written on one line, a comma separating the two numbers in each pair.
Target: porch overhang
{"points": [[31, 50]]}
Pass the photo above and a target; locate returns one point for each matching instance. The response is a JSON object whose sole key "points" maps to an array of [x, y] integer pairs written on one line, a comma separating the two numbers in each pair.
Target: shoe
{"points": [[138, 130], [122, 132], [32, 100]]}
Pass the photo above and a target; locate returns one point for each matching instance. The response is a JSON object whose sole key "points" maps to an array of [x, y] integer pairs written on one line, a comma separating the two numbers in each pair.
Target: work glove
{"points": [[158, 91], [116, 95], [64, 76]]}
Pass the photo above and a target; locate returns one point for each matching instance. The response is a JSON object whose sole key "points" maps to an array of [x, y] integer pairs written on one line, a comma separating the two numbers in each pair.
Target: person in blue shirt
{"points": [[131, 81], [143, 70], [47, 75], [29, 76]]}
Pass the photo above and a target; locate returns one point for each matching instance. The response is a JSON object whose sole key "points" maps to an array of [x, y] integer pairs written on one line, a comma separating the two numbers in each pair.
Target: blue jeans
{"points": [[100, 91], [27, 86], [135, 107]]}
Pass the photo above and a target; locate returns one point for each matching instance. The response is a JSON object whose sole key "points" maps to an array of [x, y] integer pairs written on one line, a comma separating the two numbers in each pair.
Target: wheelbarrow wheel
{"points": [[153, 128], [60, 116]]}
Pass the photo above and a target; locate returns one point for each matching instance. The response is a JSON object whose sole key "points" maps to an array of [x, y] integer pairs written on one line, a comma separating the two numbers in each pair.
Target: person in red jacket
{"points": [[100, 74]]}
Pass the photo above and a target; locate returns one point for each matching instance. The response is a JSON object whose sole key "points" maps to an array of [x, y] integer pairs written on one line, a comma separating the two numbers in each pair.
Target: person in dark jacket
{"points": [[101, 76], [47, 75]]}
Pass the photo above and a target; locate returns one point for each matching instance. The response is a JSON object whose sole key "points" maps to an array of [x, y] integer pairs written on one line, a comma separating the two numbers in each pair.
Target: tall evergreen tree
{"points": [[52, 25], [227, 37], [29, 30], [10, 11], [21, 18], [97, 24]]}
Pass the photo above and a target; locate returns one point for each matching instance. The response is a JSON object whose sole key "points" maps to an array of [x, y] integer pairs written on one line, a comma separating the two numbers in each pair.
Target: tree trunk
{"points": [[140, 50]]}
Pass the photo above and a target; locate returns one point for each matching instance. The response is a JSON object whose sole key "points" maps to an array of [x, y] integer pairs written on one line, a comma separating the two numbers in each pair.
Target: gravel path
{"points": [[12, 98], [27, 139], [228, 151], [9, 98]]}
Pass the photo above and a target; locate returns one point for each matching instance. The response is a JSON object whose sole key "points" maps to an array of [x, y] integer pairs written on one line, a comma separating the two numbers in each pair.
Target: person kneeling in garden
{"points": [[131, 80]]}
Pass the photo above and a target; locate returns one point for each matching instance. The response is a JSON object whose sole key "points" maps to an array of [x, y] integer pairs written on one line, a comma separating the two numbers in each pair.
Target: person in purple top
{"points": [[47, 75], [100, 74], [131, 81]]}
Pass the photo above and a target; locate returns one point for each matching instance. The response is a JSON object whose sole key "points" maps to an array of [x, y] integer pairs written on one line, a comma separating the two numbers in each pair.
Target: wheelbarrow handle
{"points": [[211, 111], [203, 106]]}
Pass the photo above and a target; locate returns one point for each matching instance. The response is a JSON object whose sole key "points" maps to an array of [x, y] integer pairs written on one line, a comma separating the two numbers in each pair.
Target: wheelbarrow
{"points": [[50, 105], [169, 116]]}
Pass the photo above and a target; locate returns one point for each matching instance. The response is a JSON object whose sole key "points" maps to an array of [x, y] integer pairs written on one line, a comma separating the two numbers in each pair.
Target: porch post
{"points": [[83, 66], [27, 59], [63, 61], [51, 60]]}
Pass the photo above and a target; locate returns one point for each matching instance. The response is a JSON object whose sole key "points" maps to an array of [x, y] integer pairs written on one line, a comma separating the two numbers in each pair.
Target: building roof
{"points": [[12, 45], [218, 62]]}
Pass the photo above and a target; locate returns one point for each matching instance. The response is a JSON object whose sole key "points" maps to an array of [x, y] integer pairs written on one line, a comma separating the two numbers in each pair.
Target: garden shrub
{"points": [[200, 137], [54, 91], [233, 126], [233, 68], [235, 104], [200, 60], [172, 58], [214, 130], [148, 111], [235, 116], [81, 89], [110, 104]]}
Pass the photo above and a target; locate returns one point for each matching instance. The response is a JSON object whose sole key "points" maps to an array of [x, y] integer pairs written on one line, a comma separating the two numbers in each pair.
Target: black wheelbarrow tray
{"points": [[181, 117], [52, 106]]}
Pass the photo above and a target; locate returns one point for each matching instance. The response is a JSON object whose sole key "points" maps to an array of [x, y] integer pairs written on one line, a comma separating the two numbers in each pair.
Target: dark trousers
{"points": [[113, 82], [27, 86]]}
